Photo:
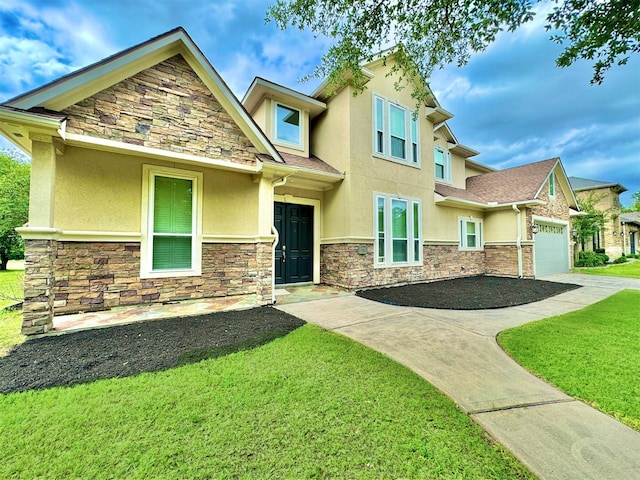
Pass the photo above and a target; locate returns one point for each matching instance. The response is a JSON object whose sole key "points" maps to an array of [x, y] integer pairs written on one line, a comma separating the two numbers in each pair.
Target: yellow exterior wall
{"points": [[349, 209], [102, 191]]}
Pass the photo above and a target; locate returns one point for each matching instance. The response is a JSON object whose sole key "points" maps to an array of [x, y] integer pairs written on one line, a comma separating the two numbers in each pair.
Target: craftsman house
{"points": [[152, 182]]}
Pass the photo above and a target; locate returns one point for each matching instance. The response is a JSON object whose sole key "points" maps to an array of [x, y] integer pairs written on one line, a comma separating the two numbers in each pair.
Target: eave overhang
{"points": [[261, 89], [302, 177], [456, 202], [438, 114], [19, 126]]}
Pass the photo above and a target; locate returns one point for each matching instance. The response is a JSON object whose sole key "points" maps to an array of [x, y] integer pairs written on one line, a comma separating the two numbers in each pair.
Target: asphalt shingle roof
{"points": [[578, 184], [515, 184]]}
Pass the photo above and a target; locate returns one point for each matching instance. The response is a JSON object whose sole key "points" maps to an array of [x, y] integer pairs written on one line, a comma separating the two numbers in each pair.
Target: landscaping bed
{"points": [[468, 293], [125, 350]]}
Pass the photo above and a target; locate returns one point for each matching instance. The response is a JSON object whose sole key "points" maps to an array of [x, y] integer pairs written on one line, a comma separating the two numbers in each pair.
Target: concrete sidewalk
{"points": [[556, 436]]}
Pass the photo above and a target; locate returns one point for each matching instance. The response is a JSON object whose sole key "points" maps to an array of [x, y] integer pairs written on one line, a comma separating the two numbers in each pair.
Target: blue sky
{"points": [[510, 102]]}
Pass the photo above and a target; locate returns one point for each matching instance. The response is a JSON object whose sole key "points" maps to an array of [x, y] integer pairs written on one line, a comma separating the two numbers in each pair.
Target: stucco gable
{"points": [[166, 107]]}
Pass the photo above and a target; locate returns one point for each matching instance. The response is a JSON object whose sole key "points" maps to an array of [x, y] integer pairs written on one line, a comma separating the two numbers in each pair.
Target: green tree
{"points": [[635, 205], [435, 33], [592, 219], [14, 207]]}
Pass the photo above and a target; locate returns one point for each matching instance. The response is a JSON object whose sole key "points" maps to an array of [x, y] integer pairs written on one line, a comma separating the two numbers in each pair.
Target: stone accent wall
{"points": [[37, 310], [97, 275], [167, 107], [502, 260], [556, 207], [343, 266]]}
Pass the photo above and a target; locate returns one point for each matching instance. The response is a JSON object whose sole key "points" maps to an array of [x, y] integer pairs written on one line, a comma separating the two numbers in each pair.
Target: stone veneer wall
{"points": [[343, 266], [104, 274], [37, 310], [77, 276], [503, 260], [166, 107]]}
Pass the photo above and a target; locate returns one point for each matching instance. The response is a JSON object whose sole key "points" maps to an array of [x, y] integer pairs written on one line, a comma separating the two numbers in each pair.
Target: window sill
{"points": [[397, 160], [171, 273], [398, 265]]}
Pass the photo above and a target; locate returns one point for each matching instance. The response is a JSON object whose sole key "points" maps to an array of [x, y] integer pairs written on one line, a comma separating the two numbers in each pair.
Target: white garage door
{"points": [[551, 249]]}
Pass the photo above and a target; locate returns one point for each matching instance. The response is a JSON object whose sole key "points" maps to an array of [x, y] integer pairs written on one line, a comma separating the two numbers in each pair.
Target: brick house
{"points": [[152, 182]]}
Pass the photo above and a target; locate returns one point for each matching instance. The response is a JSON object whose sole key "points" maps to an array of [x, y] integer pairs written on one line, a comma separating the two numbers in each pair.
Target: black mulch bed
{"points": [[124, 350], [468, 293]]}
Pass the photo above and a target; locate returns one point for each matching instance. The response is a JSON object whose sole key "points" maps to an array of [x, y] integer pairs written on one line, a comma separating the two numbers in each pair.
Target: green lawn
{"points": [[312, 404], [591, 354], [627, 270], [10, 320]]}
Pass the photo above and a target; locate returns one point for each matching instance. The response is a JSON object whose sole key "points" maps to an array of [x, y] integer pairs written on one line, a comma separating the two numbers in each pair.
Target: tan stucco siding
{"points": [[502, 225], [98, 191], [165, 107], [101, 191]]}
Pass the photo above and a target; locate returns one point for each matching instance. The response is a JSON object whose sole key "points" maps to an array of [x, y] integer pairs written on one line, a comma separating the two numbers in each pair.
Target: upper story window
{"points": [[395, 132], [552, 185], [397, 224], [442, 164], [288, 125], [470, 233]]}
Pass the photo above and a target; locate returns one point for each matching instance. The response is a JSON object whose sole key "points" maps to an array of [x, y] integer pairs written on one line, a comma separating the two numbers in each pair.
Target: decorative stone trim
{"points": [[37, 309], [342, 265], [502, 260], [165, 107], [97, 275]]}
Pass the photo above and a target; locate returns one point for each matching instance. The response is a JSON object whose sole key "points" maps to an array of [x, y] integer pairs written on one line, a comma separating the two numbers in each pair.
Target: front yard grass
{"points": [[10, 320], [627, 270], [591, 354], [312, 404]]}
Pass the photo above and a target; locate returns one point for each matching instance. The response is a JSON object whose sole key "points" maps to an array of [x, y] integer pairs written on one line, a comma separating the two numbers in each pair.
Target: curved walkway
{"points": [[556, 436]]}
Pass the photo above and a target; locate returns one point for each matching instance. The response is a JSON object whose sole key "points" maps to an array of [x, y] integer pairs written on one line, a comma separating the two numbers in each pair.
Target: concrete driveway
{"points": [[556, 436]]}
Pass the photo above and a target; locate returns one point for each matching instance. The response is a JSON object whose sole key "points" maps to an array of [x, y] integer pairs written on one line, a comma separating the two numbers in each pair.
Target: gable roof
{"points": [[630, 217], [580, 184], [83, 83], [261, 88], [522, 184]]}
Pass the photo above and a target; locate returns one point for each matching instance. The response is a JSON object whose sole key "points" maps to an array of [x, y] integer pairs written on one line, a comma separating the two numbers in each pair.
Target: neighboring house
{"points": [[606, 196], [151, 182], [631, 232]]}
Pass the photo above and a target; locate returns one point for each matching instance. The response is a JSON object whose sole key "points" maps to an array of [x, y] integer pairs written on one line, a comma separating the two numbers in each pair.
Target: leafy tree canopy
{"points": [[14, 206], [592, 219], [434, 33], [634, 206]]}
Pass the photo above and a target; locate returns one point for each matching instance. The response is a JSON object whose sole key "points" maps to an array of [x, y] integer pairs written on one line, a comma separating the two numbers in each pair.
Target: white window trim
{"points": [[279, 141], [149, 172], [388, 237], [386, 133], [447, 164], [462, 234]]}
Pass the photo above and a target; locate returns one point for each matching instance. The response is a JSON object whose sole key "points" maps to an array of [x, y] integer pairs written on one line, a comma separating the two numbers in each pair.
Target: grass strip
{"points": [[591, 354], [625, 270]]}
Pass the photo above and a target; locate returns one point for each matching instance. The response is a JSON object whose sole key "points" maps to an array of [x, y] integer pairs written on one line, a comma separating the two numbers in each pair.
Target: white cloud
{"points": [[41, 44]]}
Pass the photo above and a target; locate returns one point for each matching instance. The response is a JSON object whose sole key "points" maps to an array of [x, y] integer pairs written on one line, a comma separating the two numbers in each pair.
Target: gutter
{"points": [[519, 238], [276, 183]]}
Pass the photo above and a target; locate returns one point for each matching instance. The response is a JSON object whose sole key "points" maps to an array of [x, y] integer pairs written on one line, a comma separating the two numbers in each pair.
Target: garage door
{"points": [[551, 249]]}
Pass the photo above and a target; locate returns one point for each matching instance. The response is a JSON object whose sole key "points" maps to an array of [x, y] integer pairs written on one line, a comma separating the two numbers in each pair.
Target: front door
{"points": [[632, 239], [294, 252]]}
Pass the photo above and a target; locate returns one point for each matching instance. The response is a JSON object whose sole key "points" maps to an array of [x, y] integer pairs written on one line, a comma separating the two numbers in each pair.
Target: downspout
{"points": [[519, 238], [274, 184]]}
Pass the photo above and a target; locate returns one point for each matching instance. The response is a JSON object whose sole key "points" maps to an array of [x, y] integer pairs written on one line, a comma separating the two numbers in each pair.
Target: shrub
{"points": [[622, 259], [599, 250], [591, 259]]}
